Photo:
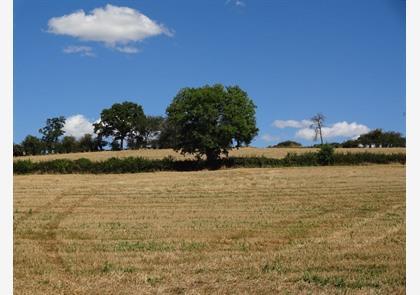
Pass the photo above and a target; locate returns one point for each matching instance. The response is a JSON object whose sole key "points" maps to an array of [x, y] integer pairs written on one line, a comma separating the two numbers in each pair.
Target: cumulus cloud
{"points": [[291, 124], [77, 126], [269, 138], [340, 129], [82, 50], [112, 25]]}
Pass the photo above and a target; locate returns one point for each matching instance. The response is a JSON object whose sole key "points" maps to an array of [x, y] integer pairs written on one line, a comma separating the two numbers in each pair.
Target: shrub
{"points": [[23, 167], [326, 155]]}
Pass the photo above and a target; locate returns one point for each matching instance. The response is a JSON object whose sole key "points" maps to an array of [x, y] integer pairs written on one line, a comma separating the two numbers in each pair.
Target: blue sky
{"points": [[295, 58]]}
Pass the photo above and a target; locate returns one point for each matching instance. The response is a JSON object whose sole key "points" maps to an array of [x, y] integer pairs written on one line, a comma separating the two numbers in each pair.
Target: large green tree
{"points": [[121, 121], [211, 120], [52, 132]]}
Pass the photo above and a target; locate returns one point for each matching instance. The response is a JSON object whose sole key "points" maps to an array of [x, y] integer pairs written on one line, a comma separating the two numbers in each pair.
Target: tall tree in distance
{"points": [[317, 123], [52, 132], [121, 121]]}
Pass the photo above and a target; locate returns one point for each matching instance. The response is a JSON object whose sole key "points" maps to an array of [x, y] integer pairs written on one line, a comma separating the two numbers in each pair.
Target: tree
{"points": [[32, 145], [286, 144], [87, 143], [122, 120], [377, 137], [350, 143], [99, 143], [18, 150], [115, 146], [211, 120], [153, 128], [317, 124], [52, 131], [69, 144], [380, 138], [167, 137]]}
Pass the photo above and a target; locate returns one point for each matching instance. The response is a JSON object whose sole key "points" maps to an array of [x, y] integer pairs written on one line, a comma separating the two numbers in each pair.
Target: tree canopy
{"points": [[52, 132], [378, 138], [121, 121], [211, 120]]}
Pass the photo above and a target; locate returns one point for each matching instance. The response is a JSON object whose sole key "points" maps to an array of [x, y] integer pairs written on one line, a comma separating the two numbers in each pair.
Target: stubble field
{"points": [[315, 230]]}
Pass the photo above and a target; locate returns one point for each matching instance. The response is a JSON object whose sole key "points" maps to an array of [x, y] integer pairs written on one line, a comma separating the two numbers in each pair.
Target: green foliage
{"points": [[136, 165], [211, 120], [153, 128], [350, 144], [326, 155], [311, 278], [122, 120], [24, 167], [51, 132], [167, 138], [306, 159], [362, 158], [18, 150], [68, 144], [87, 143], [32, 145], [378, 138], [115, 146], [286, 144]]}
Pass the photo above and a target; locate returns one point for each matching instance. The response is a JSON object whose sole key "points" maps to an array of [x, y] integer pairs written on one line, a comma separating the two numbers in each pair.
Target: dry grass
{"points": [[160, 154], [316, 230]]}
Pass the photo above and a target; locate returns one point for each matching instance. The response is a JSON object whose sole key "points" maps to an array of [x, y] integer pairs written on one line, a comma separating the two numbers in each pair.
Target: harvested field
{"points": [[242, 152], [312, 230]]}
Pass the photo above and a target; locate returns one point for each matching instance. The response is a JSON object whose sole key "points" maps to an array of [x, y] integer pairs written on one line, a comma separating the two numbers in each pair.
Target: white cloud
{"points": [[111, 25], [236, 2], [77, 126], [269, 138], [340, 129], [291, 124], [82, 50], [127, 49]]}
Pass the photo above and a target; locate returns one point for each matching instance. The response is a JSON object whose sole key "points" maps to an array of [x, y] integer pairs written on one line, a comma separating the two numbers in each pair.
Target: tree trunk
{"points": [[211, 156], [122, 143], [320, 133]]}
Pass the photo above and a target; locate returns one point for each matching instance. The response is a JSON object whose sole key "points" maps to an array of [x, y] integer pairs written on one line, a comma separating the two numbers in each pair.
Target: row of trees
{"points": [[54, 140], [374, 138], [377, 138], [208, 121]]}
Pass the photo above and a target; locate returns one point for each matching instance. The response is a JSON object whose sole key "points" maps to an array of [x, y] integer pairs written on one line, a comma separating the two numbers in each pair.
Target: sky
{"points": [[294, 58]]}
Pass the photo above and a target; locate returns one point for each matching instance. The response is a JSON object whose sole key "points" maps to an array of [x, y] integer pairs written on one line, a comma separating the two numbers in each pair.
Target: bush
{"points": [[23, 167], [326, 155]]}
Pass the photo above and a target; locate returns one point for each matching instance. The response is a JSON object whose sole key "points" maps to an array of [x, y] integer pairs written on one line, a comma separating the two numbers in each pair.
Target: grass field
{"points": [[313, 230], [242, 152]]}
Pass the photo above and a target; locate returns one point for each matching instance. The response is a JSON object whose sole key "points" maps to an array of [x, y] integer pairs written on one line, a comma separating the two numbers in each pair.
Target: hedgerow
{"points": [[138, 164]]}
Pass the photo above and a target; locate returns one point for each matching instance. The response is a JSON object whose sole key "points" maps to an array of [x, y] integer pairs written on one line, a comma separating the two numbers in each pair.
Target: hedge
{"points": [[138, 164]]}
